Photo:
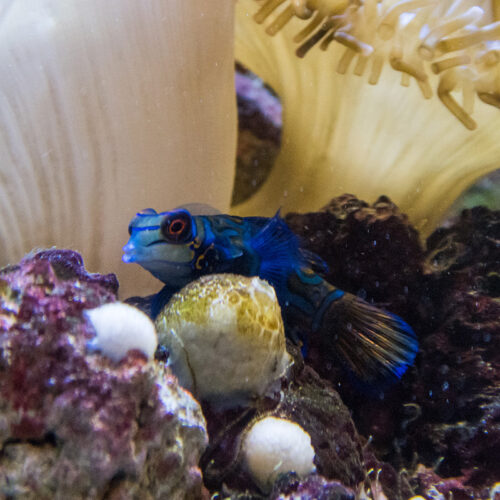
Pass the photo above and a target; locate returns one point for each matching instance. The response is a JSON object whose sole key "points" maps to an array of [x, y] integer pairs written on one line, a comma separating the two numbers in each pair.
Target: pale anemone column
{"points": [[396, 98], [106, 108]]}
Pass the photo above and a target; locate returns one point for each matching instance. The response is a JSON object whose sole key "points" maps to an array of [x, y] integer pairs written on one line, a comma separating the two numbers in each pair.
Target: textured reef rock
{"points": [[446, 411], [433, 486], [371, 250], [458, 387], [74, 424], [306, 400], [313, 487]]}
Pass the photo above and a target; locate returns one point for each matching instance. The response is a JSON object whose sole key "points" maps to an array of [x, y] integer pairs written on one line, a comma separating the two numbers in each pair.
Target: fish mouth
{"points": [[144, 257], [149, 262], [157, 242], [129, 253]]}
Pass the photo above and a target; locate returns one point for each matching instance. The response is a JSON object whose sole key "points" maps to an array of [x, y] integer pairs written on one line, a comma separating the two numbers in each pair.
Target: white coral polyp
{"points": [[275, 446], [120, 328]]}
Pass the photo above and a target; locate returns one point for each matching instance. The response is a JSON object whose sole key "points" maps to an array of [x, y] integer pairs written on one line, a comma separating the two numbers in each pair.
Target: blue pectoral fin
{"points": [[375, 346]]}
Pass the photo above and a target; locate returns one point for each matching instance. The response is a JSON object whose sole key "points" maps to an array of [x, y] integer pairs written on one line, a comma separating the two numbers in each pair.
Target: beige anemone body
{"points": [[109, 107], [343, 134]]}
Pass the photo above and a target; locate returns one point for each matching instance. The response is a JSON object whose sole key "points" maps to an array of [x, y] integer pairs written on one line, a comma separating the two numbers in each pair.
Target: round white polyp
{"points": [[274, 446], [120, 328]]}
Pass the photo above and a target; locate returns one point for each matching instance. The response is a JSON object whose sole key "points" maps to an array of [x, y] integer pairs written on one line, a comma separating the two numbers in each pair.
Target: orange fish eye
{"points": [[177, 227]]}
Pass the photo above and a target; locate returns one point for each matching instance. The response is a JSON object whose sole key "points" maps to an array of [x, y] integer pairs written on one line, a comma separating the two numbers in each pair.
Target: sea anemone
{"points": [[106, 107], [393, 97], [110, 106]]}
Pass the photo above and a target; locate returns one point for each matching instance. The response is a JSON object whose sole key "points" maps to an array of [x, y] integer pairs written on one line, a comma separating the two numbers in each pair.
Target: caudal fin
{"points": [[374, 345]]}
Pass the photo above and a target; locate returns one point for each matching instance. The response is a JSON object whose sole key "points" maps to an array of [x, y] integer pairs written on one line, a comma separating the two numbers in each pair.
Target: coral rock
{"points": [[431, 485], [306, 400], [73, 424], [371, 250], [313, 404], [458, 388], [313, 487]]}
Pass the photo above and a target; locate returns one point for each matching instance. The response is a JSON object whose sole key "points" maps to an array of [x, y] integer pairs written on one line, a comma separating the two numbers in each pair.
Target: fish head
{"points": [[164, 243]]}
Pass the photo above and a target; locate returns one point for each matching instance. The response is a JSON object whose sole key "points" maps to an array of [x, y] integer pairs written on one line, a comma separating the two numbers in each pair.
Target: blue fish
{"points": [[181, 245]]}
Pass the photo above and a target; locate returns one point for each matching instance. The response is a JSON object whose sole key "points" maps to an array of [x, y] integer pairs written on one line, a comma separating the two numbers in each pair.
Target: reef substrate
{"points": [[75, 423], [436, 434], [445, 414]]}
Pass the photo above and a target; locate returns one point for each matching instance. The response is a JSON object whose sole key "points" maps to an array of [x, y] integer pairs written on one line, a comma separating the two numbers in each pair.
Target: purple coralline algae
{"points": [[313, 487], [73, 423]]}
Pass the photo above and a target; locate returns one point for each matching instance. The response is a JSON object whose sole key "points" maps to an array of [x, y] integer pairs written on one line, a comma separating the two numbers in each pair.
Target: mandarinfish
{"points": [[181, 245]]}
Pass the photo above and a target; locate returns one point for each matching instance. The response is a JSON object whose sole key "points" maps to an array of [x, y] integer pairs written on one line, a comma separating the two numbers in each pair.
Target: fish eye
{"points": [[177, 227]]}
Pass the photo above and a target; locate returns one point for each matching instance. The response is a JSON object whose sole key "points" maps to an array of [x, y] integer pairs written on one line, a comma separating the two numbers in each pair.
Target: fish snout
{"points": [[129, 251]]}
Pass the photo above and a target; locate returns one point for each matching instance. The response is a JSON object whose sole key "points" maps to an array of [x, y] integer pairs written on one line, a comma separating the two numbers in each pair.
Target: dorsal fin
{"points": [[317, 264], [199, 209]]}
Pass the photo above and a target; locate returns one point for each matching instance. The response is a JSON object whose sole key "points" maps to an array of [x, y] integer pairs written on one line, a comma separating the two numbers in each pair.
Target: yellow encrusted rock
{"points": [[225, 337]]}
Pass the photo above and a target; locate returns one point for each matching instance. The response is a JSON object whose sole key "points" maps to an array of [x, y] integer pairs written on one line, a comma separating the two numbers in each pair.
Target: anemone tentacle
{"points": [[411, 35], [423, 130]]}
